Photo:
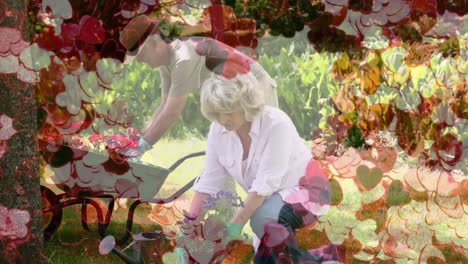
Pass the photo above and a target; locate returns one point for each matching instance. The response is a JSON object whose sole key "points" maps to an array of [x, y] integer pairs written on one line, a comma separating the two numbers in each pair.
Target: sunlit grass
{"points": [[166, 152]]}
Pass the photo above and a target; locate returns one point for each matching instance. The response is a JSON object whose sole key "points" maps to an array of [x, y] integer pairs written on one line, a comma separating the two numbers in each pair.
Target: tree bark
{"points": [[19, 165]]}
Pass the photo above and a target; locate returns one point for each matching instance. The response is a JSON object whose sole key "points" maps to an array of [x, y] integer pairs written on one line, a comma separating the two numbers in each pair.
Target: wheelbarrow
{"points": [[89, 175]]}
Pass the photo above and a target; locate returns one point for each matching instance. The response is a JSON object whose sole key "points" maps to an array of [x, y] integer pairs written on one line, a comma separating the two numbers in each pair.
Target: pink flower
{"points": [[95, 138], [119, 141], [13, 223]]}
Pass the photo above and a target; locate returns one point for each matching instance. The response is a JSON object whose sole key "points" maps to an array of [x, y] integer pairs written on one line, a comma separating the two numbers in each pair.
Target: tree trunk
{"points": [[19, 165]]}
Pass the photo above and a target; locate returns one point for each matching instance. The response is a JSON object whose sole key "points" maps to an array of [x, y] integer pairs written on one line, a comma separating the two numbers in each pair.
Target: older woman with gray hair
{"points": [[260, 148]]}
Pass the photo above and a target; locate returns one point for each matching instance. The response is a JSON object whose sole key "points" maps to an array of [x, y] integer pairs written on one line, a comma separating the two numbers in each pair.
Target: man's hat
{"points": [[134, 35]]}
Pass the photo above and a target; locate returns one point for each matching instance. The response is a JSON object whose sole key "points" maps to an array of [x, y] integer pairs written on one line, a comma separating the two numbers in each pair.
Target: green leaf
{"points": [[355, 138]]}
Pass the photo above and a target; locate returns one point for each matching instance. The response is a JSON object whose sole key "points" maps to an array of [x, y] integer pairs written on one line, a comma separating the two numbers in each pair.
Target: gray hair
{"points": [[222, 95]]}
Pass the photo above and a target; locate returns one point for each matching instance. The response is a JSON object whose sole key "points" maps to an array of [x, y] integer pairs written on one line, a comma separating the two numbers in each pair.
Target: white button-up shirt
{"points": [[277, 158]]}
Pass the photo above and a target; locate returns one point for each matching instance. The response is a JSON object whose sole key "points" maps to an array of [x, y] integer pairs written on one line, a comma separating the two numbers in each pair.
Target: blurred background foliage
{"points": [[303, 86]]}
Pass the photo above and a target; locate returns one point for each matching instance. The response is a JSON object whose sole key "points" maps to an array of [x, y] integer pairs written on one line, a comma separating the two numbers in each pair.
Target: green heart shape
{"points": [[396, 195], [369, 178], [336, 192]]}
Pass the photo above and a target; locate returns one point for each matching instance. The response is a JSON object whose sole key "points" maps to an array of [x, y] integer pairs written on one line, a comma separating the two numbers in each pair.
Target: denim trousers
{"points": [[275, 210]]}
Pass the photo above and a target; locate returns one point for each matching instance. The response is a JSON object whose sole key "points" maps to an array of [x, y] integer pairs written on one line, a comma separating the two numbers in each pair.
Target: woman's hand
{"points": [[234, 232], [234, 228], [252, 202], [196, 208]]}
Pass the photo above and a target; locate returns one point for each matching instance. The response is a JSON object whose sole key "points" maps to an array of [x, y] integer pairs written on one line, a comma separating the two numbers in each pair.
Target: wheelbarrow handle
{"points": [[180, 161], [134, 205], [174, 196], [169, 199]]}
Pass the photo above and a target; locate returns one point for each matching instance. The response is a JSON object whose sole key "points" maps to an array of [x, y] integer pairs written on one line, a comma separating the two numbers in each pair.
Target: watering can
{"points": [[141, 240]]}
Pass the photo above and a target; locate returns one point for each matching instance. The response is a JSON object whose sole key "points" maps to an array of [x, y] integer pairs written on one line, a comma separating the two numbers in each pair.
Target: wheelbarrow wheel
{"points": [[52, 219]]}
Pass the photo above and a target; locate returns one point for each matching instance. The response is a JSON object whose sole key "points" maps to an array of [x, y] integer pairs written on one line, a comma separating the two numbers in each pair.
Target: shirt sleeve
{"points": [[213, 177], [183, 78], [274, 161]]}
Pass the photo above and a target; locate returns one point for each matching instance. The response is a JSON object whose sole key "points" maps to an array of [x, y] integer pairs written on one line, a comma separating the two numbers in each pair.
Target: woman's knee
{"points": [[268, 212], [258, 221]]}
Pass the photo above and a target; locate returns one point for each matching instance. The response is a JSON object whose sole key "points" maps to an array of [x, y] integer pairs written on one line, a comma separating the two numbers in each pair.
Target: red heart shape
{"points": [[48, 40], [69, 32], [91, 30]]}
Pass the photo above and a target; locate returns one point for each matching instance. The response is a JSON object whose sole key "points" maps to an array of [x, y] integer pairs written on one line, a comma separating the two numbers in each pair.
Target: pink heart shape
{"points": [[300, 196], [9, 36], [126, 189], [275, 234], [87, 174]]}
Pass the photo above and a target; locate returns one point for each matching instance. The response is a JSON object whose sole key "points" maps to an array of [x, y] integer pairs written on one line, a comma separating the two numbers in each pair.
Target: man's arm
{"points": [[164, 117], [155, 115]]}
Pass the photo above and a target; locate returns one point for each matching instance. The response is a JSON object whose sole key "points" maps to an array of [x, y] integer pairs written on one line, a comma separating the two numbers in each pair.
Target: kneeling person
{"points": [[256, 145]]}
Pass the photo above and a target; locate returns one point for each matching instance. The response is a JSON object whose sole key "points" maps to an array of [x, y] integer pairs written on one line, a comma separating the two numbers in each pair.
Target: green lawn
{"points": [[72, 244]]}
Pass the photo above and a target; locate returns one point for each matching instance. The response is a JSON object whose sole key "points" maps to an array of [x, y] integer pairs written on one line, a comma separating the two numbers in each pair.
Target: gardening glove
{"points": [[135, 154], [234, 232]]}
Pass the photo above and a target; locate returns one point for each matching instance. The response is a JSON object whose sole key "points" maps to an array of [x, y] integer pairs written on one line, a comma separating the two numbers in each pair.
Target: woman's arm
{"points": [[197, 202], [212, 178], [251, 204]]}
